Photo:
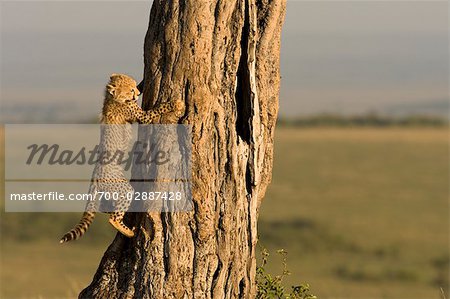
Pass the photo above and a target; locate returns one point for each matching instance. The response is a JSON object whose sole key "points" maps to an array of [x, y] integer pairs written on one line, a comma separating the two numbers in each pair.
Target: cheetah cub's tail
{"points": [[79, 230]]}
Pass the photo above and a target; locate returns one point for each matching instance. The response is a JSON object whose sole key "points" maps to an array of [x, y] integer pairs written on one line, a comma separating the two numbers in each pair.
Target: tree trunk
{"points": [[222, 58]]}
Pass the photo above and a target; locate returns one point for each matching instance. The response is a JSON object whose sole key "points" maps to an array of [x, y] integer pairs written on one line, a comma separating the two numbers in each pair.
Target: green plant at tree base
{"points": [[271, 287]]}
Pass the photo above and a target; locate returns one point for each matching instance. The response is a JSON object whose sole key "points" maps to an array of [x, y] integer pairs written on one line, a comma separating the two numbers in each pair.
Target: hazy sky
{"points": [[337, 56], [358, 56]]}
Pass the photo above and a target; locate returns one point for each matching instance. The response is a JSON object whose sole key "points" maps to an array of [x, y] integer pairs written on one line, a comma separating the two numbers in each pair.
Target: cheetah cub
{"points": [[119, 108]]}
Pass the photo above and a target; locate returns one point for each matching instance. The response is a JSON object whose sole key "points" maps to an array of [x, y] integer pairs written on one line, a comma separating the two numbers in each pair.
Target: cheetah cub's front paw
{"points": [[122, 228], [179, 107]]}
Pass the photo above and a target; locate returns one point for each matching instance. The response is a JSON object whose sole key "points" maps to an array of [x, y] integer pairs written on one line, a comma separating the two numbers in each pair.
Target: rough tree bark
{"points": [[222, 58]]}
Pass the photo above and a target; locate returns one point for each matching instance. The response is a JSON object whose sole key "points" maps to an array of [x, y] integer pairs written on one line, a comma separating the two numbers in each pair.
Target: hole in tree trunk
{"points": [[243, 90]]}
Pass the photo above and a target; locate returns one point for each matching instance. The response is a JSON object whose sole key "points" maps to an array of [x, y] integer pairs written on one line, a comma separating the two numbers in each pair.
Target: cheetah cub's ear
{"points": [[114, 75], [111, 89]]}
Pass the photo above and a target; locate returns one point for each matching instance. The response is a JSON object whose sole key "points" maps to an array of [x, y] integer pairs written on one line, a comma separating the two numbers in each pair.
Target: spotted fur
{"points": [[119, 108]]}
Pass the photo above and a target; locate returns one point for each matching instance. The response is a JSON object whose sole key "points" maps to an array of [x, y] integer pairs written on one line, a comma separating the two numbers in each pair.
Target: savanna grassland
{"points": [[362, 213]]}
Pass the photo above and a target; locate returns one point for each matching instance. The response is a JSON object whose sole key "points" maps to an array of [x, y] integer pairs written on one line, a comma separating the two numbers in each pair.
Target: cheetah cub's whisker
{"points": [[119, 108]]}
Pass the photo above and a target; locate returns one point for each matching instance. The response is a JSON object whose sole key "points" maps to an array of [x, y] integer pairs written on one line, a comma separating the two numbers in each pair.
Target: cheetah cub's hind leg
{"points": [[116, 220]]}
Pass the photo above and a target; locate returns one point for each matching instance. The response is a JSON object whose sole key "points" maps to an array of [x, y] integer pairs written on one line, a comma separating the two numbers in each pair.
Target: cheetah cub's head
{"points": [[121, 88]]}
